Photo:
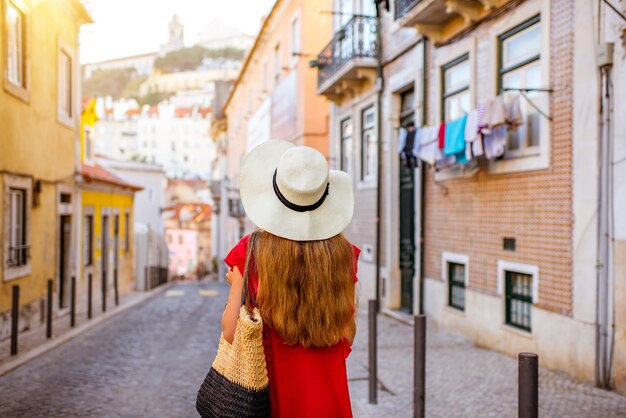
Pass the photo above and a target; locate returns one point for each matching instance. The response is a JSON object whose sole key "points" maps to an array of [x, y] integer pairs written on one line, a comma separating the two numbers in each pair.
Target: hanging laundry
{"points": [[428, 138], [442, 135], [495, 114], [471, 132], [411, 146], [477, 144], [513, 112], [495, 142], [401, 139], [454, 139]]}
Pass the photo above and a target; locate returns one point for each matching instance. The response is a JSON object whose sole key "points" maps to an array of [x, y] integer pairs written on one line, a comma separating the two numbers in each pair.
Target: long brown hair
{"points": [[306, 288]]}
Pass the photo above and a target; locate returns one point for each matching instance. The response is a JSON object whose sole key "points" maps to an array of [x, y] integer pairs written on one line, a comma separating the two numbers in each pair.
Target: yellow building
{"points": [[38, 136], [106, 207]]}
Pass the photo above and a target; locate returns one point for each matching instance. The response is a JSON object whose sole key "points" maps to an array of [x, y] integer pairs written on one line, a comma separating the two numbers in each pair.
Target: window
{"points": [[88, 238], [277, 64], [295, 40], [265, 77], [519, 67], [455, 272], [346, 146], [369, 144], [169, 238], [15, 69], [89, 143], [407, 109], [519, 299], [127, 232], [456, 285], [455, 88], [18, 249], [180, 239], [65, 86]]}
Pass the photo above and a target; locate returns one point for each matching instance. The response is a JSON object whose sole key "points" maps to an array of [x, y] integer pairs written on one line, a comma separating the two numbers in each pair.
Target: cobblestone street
{"points": [[150, 361]]}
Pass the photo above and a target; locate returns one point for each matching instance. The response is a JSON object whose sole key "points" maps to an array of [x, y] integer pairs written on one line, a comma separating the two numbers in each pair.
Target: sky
{"points": [[130, 27]]}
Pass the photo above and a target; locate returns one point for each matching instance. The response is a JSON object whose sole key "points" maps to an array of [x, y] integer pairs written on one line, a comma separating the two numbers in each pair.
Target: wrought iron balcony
{"points": [[403, 6], [353, 47], [440, 20]]}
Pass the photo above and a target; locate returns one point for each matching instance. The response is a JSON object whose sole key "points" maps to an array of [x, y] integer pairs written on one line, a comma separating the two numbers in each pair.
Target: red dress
{"points": [[304, 382]]}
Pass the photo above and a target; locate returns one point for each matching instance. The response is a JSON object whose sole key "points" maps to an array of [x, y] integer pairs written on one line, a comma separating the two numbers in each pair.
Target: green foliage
{"points": [[107, 83], [115, 83], [154, 98], [188, 59]]}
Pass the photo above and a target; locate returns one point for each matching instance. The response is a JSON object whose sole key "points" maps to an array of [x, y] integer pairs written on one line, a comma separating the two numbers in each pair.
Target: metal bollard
{"points": [[15, 317], [528, 385], [115, 288], [89, 290], [73, 303], [49, 311], [104, 291], [419, 365], [371, 336]]}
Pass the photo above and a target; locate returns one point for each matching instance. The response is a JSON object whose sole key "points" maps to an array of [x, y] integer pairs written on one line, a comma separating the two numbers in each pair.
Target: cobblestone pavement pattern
{"points": [[462, 380], [150, 361]]}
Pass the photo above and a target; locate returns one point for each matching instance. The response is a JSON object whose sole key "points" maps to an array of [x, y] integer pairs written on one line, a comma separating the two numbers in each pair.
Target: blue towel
{"points": [[454, 139]]}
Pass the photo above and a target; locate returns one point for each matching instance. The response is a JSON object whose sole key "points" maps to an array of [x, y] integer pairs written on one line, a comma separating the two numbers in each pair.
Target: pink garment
{"points": [[513, 112]]}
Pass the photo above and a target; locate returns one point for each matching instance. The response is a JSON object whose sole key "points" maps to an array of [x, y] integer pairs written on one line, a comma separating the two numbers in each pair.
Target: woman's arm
{"points": [[351, 332], [231, 313]]}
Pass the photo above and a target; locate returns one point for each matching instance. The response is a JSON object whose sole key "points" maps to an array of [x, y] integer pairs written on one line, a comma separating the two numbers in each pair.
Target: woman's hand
{"points": [[233, 275], [231, 313]]}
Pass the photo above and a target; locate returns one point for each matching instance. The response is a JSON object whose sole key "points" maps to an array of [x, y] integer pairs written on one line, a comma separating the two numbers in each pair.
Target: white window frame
{"points": [[66, 117], [449, 257], [350, 159], [515, 267], [444, 56], [18, 88], [25, 183], [521, 14], [366, 180]]}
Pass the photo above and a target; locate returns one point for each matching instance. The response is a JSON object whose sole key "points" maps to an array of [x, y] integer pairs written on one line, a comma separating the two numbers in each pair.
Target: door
{"points": [[407, 213], [116, 251], [65, 234], [104, 259]]}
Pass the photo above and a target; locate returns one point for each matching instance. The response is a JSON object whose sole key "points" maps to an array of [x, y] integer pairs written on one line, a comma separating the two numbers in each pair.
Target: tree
{"points": [[188, 59]]}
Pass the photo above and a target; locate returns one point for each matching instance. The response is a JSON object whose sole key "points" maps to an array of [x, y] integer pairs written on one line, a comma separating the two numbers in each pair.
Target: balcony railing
{"points": [[403, 6], [357, 39], [18, 255]]}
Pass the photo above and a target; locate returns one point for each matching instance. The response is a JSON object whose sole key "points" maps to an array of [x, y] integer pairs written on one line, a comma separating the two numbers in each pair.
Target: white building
{"points": [[176, 138], [142, 64], [150, 246], [217, 35]]}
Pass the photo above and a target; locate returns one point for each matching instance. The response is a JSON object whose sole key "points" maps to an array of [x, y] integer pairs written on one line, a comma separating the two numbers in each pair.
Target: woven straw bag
{"points": [[236, 385]]}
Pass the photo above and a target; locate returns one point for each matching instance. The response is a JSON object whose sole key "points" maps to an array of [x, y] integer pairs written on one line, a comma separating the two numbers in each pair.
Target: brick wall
{"points": [[534, 207]]}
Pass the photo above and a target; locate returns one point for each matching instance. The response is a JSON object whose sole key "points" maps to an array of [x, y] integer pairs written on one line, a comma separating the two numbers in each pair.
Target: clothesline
{"points": [[481, 132]]}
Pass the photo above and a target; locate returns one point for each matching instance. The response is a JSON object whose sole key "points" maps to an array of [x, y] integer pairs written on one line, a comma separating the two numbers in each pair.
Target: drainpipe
{"points": [[604, 323], [423, 175], [380, 85]]}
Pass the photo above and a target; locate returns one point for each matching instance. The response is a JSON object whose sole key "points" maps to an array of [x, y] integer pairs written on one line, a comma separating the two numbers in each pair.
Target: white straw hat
{"points": [[287, 190]]}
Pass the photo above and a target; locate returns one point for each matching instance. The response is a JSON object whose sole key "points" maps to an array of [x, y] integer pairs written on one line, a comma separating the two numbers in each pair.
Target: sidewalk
{"points": [[461, 380], [34, 343]]}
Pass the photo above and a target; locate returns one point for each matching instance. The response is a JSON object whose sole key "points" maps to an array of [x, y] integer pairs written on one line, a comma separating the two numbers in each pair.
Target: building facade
{"points": [[141, 64], [347, 74], [176, 138], [274, 95], [149, 235], [107, 214], [40, 108], [501, 244]]}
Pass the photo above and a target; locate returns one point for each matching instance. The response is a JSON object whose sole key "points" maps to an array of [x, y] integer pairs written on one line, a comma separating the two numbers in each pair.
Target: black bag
{"points": [[236, 385]]}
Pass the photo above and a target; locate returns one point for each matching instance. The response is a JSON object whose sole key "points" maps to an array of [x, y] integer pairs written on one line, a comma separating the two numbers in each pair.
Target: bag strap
{"points": [[249, 262]]}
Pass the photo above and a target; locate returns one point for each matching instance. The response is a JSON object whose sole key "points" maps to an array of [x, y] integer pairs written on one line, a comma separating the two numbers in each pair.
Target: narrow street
{"points": [[149, 362]]}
